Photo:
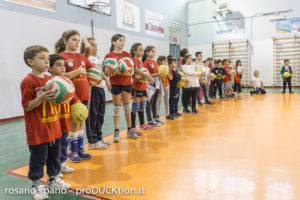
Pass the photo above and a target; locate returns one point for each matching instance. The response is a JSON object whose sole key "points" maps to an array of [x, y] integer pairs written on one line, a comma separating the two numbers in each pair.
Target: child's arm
{"points": [[170, 75], [190, 72], [87, 47], [262, 85], [291, 70], [252, 84], [45, 96], [146, 75], [76, 72], [108, 85], [282, 70]]}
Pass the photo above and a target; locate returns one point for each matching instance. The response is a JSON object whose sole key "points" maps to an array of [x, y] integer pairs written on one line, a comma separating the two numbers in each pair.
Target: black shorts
{"points": [[118, 89], [139, 93]]}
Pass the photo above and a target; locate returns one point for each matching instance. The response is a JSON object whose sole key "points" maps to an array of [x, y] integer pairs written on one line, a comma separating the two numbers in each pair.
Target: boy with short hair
{"points": [[286, 68], [217, 83], [57, 68], [174, 90], [42, 123]]}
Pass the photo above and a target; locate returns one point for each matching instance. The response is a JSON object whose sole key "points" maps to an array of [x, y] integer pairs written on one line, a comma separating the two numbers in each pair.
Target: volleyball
{"points": [[79, 112], [286, 74], [142, 78], [212, 76], [62, 88], [203, 80], [110, 66], [163, 69], [125, 64], [94, 76]]}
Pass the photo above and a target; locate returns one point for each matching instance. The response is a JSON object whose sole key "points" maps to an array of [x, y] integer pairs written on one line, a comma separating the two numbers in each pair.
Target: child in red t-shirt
{"points": [[139, 89], [121, 87], [165, 89], [57, 68], [152, 89], [42, 123], [76, 67], [228, 79]]}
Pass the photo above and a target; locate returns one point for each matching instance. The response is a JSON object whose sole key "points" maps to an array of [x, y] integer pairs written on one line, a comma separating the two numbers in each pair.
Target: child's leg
{"points": [[166, 99], [284, 85], [172, 101], [127, 107], [135, 108], [148, 109], [159, 99], [198, 96], [154, 104], [141, 111], [117, 110], [83, 155], [73, 141], [92, 130], [101, 113], [64, 148], [204, 89], [185, 98], [193, 93], [289, 84], [219, 85], [53, 159], [37, 160]]}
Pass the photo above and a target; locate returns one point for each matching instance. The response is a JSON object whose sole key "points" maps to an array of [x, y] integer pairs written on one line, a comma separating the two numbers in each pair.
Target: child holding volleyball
{"points": [[76, 66], [139, 87], [121, 87], [42, 123]]}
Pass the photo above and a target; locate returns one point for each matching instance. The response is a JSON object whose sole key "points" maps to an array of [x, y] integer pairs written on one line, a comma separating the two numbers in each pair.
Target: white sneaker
{"points": [[58, 183], [60, 175], [105, 142], [38, 192], [64, 168], [97, 145]]}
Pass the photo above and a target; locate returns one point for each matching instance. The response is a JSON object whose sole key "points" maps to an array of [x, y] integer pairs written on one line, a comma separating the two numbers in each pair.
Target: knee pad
{"points": [[135, 107], [72, 136], [127, 108], [117, 111], [142, 105]]}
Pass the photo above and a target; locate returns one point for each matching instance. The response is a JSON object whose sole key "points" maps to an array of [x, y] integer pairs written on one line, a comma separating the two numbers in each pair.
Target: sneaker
{"points": [[222, 97], [38, 192], [74, 157], [209, 103], [186, 111], [169, 117], [291, 92], [174, 115], [199, 104], [60, 175], [97, 145], [58, 183], [195, 111], [64, 168], [117, 136], [283, 92], [159, 121], [131, 134], [83, 155], [154, 123], [178, 114], [146, 127], [137, 132], [105, 142]]}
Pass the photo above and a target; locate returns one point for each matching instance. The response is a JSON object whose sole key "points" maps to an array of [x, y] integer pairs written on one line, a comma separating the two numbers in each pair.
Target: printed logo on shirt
{"points": [[70, 64], [38, 91], [152, 66], [82, 63]]}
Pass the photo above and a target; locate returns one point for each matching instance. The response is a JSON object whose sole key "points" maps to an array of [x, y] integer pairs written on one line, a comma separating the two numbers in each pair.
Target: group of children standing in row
{"points": [[51, 135]]}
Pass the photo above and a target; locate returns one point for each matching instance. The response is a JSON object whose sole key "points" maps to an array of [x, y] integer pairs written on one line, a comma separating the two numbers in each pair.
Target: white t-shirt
{"points": [[97, 62], [257, 82]]}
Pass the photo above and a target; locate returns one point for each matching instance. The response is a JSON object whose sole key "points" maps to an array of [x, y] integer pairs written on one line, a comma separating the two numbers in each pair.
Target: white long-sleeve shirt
{"points": [[191, 75]]}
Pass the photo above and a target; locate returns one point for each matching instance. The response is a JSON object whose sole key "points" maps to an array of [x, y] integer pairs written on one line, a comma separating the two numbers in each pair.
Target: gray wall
{"points": [[171, 9]]}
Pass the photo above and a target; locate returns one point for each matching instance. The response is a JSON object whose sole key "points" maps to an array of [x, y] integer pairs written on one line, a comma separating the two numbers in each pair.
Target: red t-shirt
{"points": [[81, 83], [237, 78], [227, 77], [138, 85], [211, 67], [119, 80], [42, 123], [166, 80], [151, 65]]}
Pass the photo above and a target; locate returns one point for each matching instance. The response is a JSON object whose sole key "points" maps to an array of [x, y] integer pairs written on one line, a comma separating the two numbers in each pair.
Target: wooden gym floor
{"points": [[237, 149]]}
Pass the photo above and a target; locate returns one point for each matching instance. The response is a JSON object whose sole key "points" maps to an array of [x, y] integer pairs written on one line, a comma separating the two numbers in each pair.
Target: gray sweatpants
{"points": [[166, 100]]}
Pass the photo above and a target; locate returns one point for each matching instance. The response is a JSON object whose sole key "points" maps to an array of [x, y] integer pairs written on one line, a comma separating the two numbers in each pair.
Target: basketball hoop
{"points": [[98, 6]]}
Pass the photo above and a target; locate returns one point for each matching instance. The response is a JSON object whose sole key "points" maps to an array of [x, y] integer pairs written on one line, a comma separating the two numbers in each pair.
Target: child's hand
{"points": [[108, 85], [47, 96], [81, 70], [159, 75]]}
